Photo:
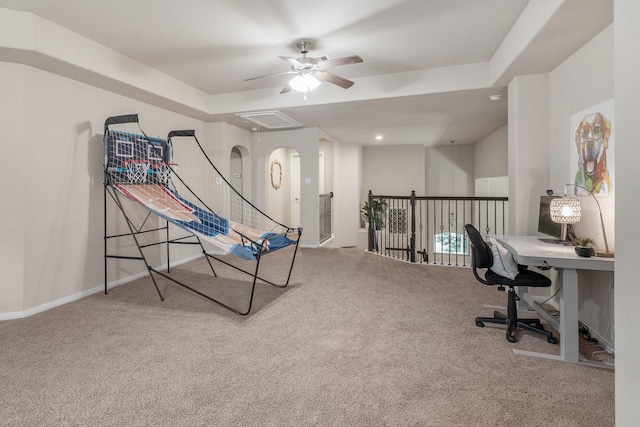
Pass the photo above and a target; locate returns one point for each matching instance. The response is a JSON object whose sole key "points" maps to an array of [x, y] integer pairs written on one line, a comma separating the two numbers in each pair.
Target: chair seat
{"points": [[524, 278]]}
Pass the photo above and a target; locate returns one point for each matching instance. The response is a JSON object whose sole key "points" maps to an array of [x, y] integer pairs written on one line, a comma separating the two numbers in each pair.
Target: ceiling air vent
{"points": [[270, 119]]}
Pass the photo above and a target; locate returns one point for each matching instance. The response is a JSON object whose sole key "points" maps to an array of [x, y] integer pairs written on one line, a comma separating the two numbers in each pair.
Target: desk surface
{"points": [[531, 250]]}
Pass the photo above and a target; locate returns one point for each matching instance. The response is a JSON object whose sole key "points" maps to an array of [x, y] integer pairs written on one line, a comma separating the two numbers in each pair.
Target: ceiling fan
{"points": [[310, 71]]}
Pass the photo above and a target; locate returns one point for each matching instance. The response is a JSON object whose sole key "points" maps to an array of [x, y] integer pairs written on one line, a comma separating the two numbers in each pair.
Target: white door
{"points": [[321, 174], [295, 190]]}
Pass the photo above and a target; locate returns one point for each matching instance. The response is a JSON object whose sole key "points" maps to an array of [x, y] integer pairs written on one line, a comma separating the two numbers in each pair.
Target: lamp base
{"points": [[604, 254], [564, 242]]}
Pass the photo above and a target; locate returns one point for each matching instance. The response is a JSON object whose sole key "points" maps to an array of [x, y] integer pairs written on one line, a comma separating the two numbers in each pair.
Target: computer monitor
{"points": [[545, 223]]}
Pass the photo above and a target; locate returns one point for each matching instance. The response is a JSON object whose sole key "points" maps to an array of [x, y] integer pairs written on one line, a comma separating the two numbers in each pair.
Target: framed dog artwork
{"points": [[592, 159]]}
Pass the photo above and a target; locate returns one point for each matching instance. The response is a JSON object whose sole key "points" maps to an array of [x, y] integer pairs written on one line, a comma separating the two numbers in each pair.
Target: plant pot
{"points": [[584, 252]]}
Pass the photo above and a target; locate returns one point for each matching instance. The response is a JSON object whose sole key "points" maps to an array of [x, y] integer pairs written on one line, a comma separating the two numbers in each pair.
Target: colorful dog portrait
{"points": [[592, 141]]}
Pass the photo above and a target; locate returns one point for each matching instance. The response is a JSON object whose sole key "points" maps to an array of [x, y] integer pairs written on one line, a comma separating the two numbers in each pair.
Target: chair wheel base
{"points": [[531, 325]]}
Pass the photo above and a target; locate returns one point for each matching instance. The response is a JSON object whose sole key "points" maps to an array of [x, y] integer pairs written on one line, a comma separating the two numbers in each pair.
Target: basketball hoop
{"points": [[163, 171], [136, 171]]}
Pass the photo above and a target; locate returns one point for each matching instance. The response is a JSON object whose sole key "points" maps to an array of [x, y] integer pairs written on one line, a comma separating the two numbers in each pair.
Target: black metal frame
{"points": [[413, 246], [136, 230]]}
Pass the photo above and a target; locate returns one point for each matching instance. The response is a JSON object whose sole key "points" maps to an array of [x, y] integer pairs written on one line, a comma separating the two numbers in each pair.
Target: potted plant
{"points": [[584, 246], [378, 207]]}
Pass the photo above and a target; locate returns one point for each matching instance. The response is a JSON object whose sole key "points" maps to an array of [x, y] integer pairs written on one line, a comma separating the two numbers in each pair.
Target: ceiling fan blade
{"points": [[285, 89], [353, 59], [332, 78], [292, 61], [272, 74]]}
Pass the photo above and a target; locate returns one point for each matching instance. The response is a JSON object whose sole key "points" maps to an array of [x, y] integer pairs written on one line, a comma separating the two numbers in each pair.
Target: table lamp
{"points": [[565, 210], [561, 205]]}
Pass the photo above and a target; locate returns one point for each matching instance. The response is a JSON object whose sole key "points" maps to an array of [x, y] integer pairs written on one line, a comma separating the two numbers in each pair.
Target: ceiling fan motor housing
{"points": [[304, 46]]}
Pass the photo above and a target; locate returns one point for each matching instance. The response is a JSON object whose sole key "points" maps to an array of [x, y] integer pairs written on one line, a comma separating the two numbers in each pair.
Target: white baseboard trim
{"points": [[85, 293], [50, 305], [329, 240]]}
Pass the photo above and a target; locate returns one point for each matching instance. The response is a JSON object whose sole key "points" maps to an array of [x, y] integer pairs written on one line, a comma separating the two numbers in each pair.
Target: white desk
{"points": [[531, 251]]}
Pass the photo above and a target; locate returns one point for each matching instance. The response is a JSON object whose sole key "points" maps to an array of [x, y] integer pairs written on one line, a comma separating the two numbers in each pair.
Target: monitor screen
{"points": [[545, 224]]}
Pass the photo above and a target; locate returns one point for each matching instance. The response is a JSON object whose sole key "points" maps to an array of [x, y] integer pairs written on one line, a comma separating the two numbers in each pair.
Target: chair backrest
{"points": [[481, 255]]}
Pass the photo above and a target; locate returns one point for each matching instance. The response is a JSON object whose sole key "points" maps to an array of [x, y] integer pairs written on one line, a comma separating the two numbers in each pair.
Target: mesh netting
{"points": [[213, 190], [163, 171]]}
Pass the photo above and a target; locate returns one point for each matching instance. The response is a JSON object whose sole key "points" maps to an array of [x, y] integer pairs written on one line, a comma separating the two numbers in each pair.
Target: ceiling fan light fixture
{"points": [[305, 82], [311, 71]]}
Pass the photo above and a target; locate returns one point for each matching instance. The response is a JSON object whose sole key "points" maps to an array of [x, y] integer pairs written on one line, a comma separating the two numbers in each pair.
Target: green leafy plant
{"points": [[585, 242], [450, 243], [378, 206]]}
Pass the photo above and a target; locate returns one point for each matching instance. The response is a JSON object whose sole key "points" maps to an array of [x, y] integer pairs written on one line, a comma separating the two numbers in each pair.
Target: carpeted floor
{"points": [[355, 340]]}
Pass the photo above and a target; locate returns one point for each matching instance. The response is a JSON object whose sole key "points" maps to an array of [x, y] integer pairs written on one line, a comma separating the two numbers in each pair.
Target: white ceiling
{"points": [[213, 45]]}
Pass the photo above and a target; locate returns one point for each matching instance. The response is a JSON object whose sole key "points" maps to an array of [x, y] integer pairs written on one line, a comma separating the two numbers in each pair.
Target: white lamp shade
{"points": [[304, 82], [566, 210]]}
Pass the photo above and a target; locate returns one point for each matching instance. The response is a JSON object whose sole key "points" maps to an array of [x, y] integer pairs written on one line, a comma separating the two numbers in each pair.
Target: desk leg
{"points": [[569, 339], [523, 292], [568, 328]]}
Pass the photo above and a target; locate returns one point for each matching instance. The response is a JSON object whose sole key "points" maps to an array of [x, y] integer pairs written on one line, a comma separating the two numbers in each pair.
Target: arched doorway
{"points": [[236, 169], [282, 192]]}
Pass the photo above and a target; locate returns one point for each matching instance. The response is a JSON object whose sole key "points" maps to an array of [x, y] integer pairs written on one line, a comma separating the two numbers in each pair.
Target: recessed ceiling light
{"points": [[378, 137], [495, 97]]}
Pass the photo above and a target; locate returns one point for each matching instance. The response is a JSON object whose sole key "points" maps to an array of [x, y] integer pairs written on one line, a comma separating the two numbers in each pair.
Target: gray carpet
{"points": [[355, 340]]}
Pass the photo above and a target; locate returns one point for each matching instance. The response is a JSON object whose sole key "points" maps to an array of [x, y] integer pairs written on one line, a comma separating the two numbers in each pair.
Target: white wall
{"points": [[306, 143], [446, 170], [58, 194], [347, 168], [449, 171], [491, 155], [242, 141], [528, 150], [540, 143], [13, 122], [577, 84], [626, 53], [219, 139], [393, 170], [278, 201], [327, 144]]}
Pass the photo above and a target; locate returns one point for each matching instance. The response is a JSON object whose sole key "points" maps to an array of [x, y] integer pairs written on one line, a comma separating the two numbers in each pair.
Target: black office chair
{"points": [[482, 258]]}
